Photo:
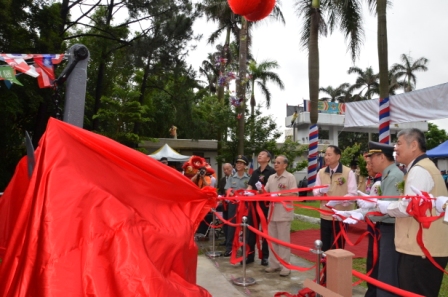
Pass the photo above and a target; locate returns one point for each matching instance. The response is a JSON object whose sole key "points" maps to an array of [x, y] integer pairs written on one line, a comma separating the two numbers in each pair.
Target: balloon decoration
{"points": [[252, 10], [263, 10], [243, 7]]}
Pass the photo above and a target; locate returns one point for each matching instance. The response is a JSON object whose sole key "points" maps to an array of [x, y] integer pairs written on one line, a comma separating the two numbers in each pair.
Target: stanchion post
{"points": [[244, 281], [213, 253], [318, 251]]}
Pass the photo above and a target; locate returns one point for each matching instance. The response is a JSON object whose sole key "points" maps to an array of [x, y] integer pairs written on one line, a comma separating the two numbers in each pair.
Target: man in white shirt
{"points": [[416, 272], [341, 181]]}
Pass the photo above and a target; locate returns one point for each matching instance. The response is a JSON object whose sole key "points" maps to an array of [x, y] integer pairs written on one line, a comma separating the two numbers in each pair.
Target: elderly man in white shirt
{"points": [[416, 272]]}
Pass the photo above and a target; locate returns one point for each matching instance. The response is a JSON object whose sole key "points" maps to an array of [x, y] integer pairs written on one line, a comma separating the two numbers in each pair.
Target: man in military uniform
{"points": [[382, 160], [237, 181]]}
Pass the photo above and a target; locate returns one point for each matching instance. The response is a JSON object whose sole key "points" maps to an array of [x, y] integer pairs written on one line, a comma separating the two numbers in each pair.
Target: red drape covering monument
{"points": [[98, 219]]}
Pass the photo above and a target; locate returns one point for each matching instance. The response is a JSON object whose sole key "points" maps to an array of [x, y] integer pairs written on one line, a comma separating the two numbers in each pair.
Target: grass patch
{"points": [[308, 212], [297, 225]]}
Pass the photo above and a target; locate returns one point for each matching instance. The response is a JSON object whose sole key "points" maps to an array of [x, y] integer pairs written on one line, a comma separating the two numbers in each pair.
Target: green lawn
{"points": [[359, 264]]}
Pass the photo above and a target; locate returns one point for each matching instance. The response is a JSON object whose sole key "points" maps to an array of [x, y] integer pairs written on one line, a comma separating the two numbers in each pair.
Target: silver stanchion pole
{"points": [[213, 253], [244, 281], [318, 251]]}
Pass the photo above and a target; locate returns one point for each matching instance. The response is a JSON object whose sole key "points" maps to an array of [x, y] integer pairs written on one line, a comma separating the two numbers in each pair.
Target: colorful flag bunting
{"points": [[8, 74]]}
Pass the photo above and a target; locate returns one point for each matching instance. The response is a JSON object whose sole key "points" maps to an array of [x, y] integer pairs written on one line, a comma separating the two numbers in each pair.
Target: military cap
{"points": [[242, 158], [377, 147]]}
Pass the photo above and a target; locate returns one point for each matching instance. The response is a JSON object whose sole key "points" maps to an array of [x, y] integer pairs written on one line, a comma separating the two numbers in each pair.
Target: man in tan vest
{"points": [[416, 273], [341, 181]]}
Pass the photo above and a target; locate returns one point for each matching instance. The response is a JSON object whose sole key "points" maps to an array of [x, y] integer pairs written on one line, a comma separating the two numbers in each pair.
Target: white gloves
{"points": [[324, 190], [383, 205], [333, 203], [247, 193], [274, 195], [258, 185], [341, 214], [355, 218], [440, 202], [366, 204]]}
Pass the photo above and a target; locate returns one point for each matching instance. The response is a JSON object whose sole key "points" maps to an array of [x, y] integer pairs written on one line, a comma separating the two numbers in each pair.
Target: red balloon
{"points": [[243, 7], [263, 10]]}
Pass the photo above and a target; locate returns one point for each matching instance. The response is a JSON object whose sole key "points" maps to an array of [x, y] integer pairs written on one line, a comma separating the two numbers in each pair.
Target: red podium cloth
{"points": [[98, 219]]}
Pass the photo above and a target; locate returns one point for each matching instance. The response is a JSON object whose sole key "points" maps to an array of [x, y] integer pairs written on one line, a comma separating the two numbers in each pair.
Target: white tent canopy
{"points": [[421, 105], [167, 152]]}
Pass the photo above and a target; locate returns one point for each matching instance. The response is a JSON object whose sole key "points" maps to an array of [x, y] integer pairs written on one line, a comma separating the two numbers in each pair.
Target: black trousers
{"points": [[419, 275], [388, 262], [328, 234], [231, 212], [225, 216], [251, 236], [373, 232]]}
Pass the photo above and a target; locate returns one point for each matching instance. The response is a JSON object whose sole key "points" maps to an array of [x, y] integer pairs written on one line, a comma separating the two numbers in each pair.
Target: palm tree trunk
{"points": [[313, 65], [241, 85], [382, 48], [224, 52]]}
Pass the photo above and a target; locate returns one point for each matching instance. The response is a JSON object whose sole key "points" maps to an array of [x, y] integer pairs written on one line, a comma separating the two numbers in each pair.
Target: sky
{"points": [[415, 27]]}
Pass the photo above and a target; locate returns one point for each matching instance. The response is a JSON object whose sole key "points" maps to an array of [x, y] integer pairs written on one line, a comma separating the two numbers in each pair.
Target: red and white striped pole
{"points": [[384, 117], [312, 155]]}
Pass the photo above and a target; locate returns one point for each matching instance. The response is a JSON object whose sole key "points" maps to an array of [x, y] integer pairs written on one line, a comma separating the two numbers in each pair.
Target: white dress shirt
{"points": [[419, 178]]}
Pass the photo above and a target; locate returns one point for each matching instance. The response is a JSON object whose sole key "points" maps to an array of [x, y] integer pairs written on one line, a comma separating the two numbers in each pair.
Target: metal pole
{"points": [[318, 251], [244, 281], [75, 92], [213, 253]]}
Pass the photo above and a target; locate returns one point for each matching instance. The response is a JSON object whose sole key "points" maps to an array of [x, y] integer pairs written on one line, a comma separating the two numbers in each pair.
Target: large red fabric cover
{"points": [[98, 219], [263, 10]]}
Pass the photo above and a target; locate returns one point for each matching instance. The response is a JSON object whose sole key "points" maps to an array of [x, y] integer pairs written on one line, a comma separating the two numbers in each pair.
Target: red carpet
{"points": [[308, 237]]}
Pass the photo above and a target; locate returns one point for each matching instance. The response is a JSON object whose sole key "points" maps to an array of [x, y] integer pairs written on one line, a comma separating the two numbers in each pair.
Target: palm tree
{"points": [[261, 74], [347, 15], [406, 71], [394, 85], [211, 72], [366, 81], [335, 94]]}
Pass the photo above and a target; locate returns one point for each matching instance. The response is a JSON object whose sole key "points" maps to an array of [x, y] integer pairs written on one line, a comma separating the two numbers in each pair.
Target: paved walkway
{"points": [[216, 276]]}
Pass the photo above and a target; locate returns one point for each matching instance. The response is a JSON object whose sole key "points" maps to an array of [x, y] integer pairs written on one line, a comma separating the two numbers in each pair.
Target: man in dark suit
{"points": [[227, 168], [260, 175]]}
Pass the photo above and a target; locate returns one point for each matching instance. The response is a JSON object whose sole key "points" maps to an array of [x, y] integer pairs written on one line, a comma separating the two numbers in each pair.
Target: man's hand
{"points": [[383, 205], [258, 185], [441, 203], [355, 218], [366, 204], [333, 203], [341, 215], [247, 193], [325, 189]]}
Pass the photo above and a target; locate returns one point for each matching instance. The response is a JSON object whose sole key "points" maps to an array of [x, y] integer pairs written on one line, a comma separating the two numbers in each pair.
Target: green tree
{"points": [[334, 94], [346, 15], [292, 150], [367, 82], [435, 136], [260, 74], [265, 137], [407, 70], [350, 153]]}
